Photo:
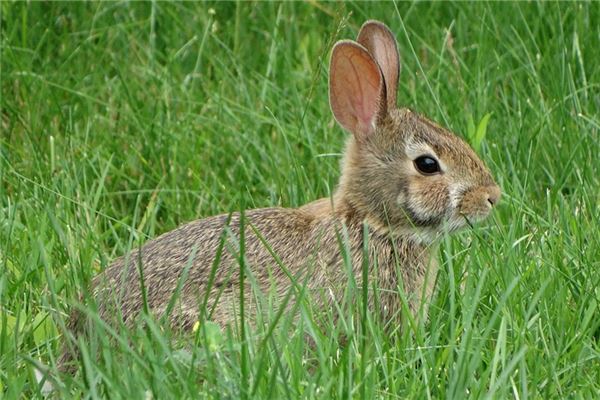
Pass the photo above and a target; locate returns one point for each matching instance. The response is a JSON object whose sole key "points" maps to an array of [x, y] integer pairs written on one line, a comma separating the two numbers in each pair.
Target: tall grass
{"points": [[121, 121]]}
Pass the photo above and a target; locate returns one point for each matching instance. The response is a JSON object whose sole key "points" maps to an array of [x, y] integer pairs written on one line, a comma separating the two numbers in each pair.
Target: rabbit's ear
{"points": [[381, 43], [356, 89]]}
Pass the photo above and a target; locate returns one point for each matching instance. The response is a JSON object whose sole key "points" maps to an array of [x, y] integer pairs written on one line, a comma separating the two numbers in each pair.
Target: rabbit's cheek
{"points": [[428, 200]]}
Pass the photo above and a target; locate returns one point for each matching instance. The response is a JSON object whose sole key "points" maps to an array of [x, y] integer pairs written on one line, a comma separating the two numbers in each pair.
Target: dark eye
{"points": [[427, 165]]}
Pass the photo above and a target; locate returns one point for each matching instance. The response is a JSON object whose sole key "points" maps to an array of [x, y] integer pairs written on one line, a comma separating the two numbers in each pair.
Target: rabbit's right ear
{"points": [[357, 92], [381, 43]]}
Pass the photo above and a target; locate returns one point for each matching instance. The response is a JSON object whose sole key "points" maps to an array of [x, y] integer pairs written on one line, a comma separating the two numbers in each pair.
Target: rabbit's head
{"points": [[401, 171]]}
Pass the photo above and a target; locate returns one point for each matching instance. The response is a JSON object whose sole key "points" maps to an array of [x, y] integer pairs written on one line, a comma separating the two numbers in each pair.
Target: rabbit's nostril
{"points": [[493, 197]]}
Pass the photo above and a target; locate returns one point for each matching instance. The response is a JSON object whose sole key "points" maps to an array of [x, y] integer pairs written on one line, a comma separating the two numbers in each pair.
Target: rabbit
{"points": [[404, 179]]}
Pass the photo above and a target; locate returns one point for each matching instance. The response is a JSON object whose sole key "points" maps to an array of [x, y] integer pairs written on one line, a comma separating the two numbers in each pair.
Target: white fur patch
{"points": [[401, 199], [416, 149], [456, 192]]}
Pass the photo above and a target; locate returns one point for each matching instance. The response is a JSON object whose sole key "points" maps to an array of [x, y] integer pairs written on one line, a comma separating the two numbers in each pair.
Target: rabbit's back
{"points": [[278, 244]]}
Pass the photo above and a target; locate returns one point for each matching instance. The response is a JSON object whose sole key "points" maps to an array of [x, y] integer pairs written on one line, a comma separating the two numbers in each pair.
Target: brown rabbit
{"points": [[404, 178]]}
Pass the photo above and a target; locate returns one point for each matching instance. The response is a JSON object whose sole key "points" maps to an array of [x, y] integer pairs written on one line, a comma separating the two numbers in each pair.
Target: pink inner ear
{"points": [[356, 86]]}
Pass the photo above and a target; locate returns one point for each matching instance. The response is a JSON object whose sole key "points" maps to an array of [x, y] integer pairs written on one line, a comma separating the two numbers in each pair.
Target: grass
{"points": [[121, 121]]}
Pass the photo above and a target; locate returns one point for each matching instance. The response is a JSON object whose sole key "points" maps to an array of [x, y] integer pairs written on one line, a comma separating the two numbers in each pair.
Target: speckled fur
{"points": [[379, 188], [307, 245]]}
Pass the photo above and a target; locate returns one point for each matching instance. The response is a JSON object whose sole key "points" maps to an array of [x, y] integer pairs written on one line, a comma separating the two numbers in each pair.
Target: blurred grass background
{"points": [[122, 120]]}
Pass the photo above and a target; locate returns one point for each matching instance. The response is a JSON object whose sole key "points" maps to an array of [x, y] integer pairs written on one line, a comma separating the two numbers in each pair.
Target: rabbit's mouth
{"points": [[464, 219], [458, 220]]}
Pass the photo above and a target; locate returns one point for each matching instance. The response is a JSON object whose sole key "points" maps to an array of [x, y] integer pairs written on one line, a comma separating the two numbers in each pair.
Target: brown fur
{"points": [[380, 187], [305, 241]]}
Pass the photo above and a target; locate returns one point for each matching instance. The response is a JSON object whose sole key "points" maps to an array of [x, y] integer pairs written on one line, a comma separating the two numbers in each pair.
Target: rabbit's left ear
{"points": [[381, 43], [357, 89]]}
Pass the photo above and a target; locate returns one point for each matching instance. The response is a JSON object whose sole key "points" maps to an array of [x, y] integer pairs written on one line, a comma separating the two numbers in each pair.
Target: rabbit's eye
{"points": [[427, 165]]}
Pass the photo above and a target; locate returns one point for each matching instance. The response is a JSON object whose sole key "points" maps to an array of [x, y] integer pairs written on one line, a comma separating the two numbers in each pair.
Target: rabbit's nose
{"points": [[493, 195]]}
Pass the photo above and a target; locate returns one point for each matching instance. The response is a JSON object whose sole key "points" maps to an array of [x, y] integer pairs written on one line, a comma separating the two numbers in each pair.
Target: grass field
{"points": [[121, 121]]}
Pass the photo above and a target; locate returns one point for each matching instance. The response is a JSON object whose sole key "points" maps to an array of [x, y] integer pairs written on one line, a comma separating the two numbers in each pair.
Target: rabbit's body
{"points": [[403, 177], [293, 245]]}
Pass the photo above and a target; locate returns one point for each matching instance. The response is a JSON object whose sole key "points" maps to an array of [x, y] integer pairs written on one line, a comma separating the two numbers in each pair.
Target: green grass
{"points": [[121, 121]]}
